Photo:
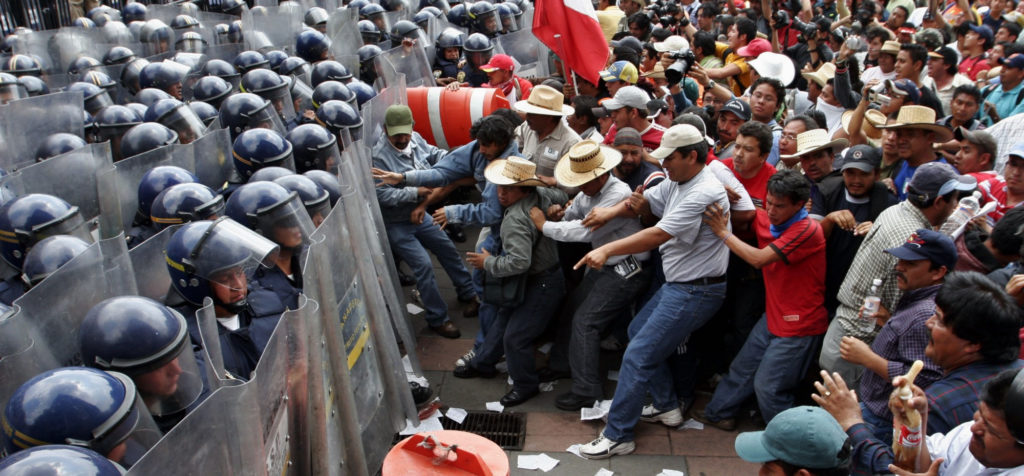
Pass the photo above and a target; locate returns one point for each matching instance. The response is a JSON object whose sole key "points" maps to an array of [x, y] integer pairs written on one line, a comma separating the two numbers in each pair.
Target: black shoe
{"points": [[420, 394], [548, 374], [447, 330], [573, 403], [472, 308], [468, 371], [455, 233], [515, 397], [405, 279]]}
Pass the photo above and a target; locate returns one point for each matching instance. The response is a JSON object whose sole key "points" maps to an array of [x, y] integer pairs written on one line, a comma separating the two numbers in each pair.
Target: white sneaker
{"points": [[672, 418], [465, 359], [602, 448]]}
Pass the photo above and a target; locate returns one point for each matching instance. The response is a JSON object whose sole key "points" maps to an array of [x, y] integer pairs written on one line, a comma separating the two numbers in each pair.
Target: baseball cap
{"points": [[936, 179], [673, 43], [904, 87], [621, 71], [979, 138], [1015, 60], [629, 42], [628, 136], [927, 244], [628, 96], [862, 157], [807, 437], [1017, 150], [398, 120], [754, 48], [946, 54], [655, 107], [983, 31], [738, 107], [502, 62], [677, 136]]}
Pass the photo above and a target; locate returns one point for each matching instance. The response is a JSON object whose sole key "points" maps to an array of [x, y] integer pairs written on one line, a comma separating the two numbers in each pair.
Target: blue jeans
{"points": [[674, 312], [768, 365], [488, 312], [411, 242], [515, 329]]}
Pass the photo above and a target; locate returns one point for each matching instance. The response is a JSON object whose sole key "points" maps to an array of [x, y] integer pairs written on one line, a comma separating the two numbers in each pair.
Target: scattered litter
{"points": [[413, 309], [457, 415], [495, 407], [412, 377], [542, 462], [692, 424], [670, 472], [599, 410], [433, 423], [574, 449], [547, 386], [604, 472]]}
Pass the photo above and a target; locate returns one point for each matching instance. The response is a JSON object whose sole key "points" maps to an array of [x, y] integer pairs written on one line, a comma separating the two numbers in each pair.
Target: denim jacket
{"points": [[398, 202]]}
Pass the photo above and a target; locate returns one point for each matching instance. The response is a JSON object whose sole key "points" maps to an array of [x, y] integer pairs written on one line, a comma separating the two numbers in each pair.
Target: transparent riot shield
{"points": [[345, 38], [117, 92], [279, 27], [528, 51], [211, 155], [374, 109], [71, 43], [18, 367], [26, 122], [72, 176], [213, 359], [41, 45], [54, 308], [412, 62], [217, 437], [356, 338], [226, 52], [150, 266]]}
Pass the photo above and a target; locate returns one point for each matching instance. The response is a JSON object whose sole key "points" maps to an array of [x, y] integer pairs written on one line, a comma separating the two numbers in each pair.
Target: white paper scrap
{"points": [[599, 410], [670, 472], [495, 407], [542, 462], [413, 309], [547, 386], [433, 423], [692, 424], [457, 415], [604, 472], [574, 449]]}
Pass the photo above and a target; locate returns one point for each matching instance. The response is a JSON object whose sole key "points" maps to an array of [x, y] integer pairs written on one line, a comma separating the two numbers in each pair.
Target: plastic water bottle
{"points": [[965, 211], [871, 305]]}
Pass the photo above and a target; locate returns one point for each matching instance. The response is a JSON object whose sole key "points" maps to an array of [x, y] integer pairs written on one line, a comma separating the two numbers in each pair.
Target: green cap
{"points": [[398, 120]]}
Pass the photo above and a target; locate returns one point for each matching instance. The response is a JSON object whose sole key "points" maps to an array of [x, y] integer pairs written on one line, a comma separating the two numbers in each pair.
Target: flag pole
{"points": [[567, 73]]}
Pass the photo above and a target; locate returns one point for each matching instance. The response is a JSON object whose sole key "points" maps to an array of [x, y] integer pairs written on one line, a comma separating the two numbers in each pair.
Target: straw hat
{"points": [[514, 171], [813, 141], [873, 119], [891, 47], [826, 72], [586, 161], [920, 117], [544, 100]]}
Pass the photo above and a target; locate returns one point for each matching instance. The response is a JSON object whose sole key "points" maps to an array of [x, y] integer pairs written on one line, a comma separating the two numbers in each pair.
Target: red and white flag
{"points": [[582, 46]]}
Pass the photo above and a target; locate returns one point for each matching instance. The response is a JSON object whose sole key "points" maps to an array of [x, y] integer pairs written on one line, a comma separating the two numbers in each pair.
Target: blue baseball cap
{"points": [[985, 32], [806, 437], [904, 87], [929, 245], [936, 179], [1015, 60]]}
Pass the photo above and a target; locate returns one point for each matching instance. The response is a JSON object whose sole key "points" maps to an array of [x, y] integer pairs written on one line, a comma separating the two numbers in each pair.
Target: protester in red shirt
{"points": [[748, 163], [978, 40]]}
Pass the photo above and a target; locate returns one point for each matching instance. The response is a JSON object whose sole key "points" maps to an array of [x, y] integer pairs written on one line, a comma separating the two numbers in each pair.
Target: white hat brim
{"points": [[832, 144]]}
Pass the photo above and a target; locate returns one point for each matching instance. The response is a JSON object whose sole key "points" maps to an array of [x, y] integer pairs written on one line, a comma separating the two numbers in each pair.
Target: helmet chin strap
{"points": [[234, 307]]}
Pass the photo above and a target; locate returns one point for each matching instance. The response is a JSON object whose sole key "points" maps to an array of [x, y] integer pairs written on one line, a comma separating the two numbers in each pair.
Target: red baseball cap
{"points": [[498, 62], [755, 48]]}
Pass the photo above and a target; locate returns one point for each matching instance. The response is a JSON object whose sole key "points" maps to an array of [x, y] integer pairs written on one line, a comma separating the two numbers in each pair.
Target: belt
{"points": [[704, 281]]}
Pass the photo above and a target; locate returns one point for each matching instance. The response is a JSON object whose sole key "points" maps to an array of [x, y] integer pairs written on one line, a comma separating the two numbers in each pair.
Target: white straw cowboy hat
{"points": [[870, 126], [774, 65], [820, 77], [544, 100], [513, 171], [920, 117], [813, 141], [586, 161]]}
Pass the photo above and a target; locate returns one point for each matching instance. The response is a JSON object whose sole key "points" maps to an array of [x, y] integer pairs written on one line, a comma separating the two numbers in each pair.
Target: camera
{"points": [[877, 95], [807, 31], [780, 19], [684, 60]]}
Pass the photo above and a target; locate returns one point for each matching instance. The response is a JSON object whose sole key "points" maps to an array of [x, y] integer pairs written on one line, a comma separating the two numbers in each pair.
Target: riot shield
{"points": [[150, 266], [226, 52], [127, 175], [72, 176], [412, 62], [213, 358], [54, 308], [40, 44], [374, 109], [345, 38], [528, 51], [354, 338], [279, 28], [212, 158], [26, 122], [217, 437], [16, 368], [71, 43]]}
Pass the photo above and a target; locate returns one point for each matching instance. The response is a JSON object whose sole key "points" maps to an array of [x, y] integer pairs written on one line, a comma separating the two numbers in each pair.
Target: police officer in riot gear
{"points": [[184, 203], [155, 181], [58, 460], [146, 137], [48, 256], [478, 51]]}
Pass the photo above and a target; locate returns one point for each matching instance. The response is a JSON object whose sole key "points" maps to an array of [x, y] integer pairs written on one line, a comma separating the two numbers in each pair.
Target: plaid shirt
{"points": [[1007, 133], [901, 341], [952, 400], [891, 229]]}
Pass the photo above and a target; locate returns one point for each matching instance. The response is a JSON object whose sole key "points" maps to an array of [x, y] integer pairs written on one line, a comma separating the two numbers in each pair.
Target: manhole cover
{"points": [[507, 430]]}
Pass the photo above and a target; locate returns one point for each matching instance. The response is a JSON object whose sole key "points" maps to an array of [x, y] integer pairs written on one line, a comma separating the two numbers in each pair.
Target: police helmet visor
{"points": [[173, 386], [131, 426], [183, 120], [95, 103], [227, 248], [286, 223]]}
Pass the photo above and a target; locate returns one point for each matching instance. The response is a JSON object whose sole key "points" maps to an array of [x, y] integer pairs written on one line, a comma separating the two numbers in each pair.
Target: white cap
{"points": [[672, 44], [677, 136], [631, 96]]}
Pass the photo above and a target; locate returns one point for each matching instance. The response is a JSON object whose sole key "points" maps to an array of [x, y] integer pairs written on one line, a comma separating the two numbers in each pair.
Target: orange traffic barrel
{"points": [[444, 117], [446, 452]]}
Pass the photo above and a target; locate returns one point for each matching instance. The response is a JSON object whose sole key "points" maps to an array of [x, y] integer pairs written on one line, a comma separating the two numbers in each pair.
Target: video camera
{"points": [[877, 94], [678, 70], [807, 31]]}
